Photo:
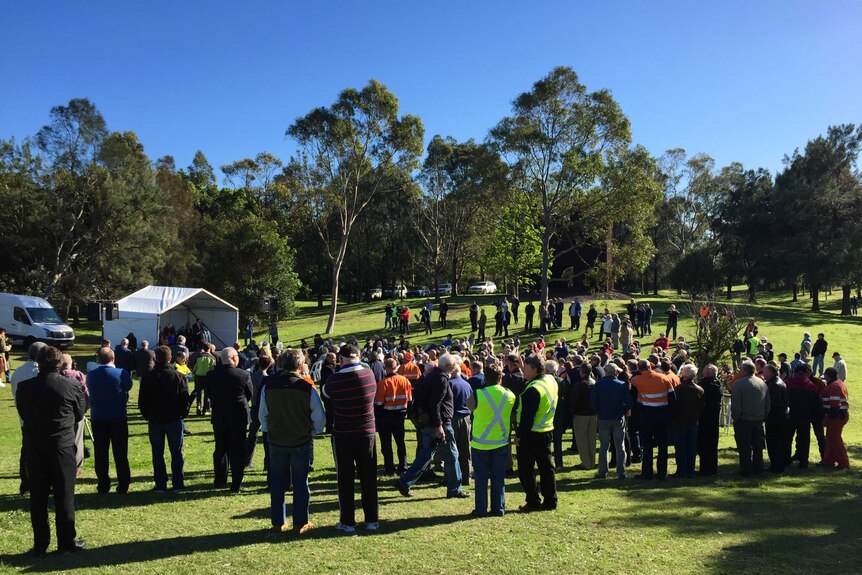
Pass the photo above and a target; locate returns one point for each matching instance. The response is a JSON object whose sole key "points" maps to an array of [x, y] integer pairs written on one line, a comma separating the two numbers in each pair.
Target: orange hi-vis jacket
{"points": [[654, 388], [836, 397], [394, 392], [410, 370]]}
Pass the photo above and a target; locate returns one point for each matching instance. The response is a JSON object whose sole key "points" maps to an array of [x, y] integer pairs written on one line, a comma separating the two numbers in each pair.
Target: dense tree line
{"points": [[363, 203]]}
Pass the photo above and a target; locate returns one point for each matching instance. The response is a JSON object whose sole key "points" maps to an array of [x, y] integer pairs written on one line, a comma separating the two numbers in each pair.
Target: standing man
{"points": [[461, 393], [290, 414], [249, 331], [818, 352], [686, 413], [273, 333], [749, 407], [516, 303], [436, 403], [707, 428], [474, 316], [777, 422], [575, 310], [124, 357], [352, 390], [655, 399], [393, 397], [612, 401], [27, 370], [164, 403], [443, 310], [51, 406], [109, 395], [534, 435], [202, 363], [492, 407], [229, 389], [837, 406], [145, 359], [529, 312], [840, 367]]}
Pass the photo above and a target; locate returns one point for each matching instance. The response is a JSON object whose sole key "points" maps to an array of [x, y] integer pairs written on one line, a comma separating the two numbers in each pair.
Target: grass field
{"points": [[802, 522]]}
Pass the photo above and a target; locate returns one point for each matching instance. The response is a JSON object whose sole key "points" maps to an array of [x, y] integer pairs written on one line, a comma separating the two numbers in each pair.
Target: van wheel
{"points": [[28, 341]]}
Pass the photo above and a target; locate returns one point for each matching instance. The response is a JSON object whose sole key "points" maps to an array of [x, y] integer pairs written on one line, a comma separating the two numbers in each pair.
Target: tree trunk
{"points": [[814, 291], [846, 292], [795, 293], [729, 287], [455, 273], [752, 293], [336, 272], [546, 266], [655, 280]]}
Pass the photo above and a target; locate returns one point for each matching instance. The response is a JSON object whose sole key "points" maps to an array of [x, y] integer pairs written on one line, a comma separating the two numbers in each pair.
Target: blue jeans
{"points": [[286, 465], [174, 433], [449, 451], [490, 464], [685, 441], [818, 361]]}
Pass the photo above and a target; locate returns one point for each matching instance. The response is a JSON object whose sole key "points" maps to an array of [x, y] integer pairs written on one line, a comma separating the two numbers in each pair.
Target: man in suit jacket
{"points": [[145, 359], [51, 406], [229, 389], [109, 394]]}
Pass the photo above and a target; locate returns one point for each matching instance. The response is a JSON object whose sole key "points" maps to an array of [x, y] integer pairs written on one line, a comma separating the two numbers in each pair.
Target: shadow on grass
{"points": [[143, 551]]}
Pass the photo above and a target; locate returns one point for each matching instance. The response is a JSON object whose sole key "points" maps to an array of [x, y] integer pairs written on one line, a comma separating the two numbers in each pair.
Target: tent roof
{"points": [[160, 299]]}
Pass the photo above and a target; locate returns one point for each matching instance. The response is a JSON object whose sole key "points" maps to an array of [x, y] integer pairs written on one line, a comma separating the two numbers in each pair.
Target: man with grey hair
{"points": [[27, 370], [145, 359], [612, 401], [229, 389], [749, 407], [685, 415], [435, 409]]}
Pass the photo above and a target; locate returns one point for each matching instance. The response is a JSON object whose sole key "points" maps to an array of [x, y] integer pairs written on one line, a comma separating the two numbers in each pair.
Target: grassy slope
{"points": [[791, 524]]}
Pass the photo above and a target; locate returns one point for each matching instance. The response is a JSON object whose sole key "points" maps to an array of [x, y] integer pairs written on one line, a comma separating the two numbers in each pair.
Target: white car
{"points": [[375, 293], [486, 287], [398, 291], [444, 289]]}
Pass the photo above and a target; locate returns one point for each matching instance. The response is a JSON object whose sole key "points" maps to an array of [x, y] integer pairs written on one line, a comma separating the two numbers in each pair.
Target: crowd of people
{"points": [[470, 399]]}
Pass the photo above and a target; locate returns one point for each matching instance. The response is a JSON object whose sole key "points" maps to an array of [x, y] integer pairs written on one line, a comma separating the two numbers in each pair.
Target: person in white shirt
{"points": [[840, 366]]}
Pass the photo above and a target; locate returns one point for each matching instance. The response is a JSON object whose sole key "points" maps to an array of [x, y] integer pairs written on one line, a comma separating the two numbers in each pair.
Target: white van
{"points": [[28, 319]]}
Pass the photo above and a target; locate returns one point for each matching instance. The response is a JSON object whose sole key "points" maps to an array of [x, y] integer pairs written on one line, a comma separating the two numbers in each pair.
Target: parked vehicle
{"points": [[486, 287], [417, 291], [28, 319], [444, 289], [375, 293], [395, 292]]}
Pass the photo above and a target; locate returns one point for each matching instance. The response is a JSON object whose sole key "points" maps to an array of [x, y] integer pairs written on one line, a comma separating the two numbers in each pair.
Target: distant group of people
{"points": [[468, 399]]}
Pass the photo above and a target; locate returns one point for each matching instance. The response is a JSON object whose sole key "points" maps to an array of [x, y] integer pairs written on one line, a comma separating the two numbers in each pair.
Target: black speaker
{"points": [[94, 311], [265, 305], [112, 311]]}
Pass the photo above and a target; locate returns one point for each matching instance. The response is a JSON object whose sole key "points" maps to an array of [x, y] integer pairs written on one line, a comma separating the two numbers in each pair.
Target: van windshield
{"points": [[44, 315]]}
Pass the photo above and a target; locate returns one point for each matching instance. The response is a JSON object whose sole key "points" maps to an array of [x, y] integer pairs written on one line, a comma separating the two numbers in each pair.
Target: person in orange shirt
{"points": [[394, 395], [836, 404], [655, 397], [408, 368]]}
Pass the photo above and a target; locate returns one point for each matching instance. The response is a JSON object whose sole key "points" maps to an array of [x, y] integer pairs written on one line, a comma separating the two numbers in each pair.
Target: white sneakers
{"points": [[350, 530]]}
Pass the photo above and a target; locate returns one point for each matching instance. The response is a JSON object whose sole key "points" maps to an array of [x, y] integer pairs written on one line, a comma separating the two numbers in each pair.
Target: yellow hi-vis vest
{"points": [[547, 387], [492, 417]]}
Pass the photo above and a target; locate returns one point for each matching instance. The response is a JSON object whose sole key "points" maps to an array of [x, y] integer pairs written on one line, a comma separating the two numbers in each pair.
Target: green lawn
{"points": [[803, 522]]}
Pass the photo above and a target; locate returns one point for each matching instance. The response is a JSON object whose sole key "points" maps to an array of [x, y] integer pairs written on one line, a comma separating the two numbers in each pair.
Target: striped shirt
{"points": [[352, 391]]}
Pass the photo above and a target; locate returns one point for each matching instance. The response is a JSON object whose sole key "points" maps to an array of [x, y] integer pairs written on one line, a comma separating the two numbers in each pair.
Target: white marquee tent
{"points": [[147, 311]]}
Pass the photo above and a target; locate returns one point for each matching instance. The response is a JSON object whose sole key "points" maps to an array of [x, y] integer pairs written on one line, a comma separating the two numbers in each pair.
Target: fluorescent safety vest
{"points": [[491, 419], [547, 387]]}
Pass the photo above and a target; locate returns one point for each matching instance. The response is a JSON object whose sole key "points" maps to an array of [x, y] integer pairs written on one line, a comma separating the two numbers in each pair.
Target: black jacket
{"points": [[435, 397], [50, 405], [229, 389], [711, 401], [164, 395], [779, 402], [145, 361]]}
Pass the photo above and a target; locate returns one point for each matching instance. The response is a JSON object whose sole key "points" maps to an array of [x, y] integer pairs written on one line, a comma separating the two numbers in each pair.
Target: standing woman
{"points": [[5, 348]]}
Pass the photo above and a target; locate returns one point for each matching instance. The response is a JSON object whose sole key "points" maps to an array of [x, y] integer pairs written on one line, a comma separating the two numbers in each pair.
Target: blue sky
{"points": [[741, 81]]}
